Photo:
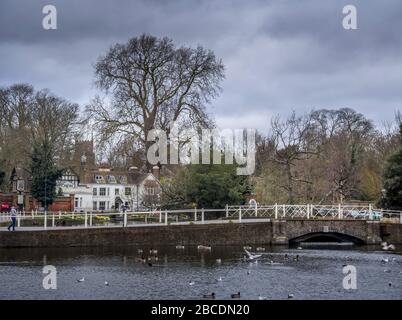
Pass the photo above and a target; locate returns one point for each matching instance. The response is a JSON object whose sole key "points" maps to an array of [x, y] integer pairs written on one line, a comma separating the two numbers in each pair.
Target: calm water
{"points": [[317, 274]]}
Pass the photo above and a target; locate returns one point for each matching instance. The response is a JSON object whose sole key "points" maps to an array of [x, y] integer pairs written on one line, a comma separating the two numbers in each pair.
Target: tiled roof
{"points": [[112, 177]]}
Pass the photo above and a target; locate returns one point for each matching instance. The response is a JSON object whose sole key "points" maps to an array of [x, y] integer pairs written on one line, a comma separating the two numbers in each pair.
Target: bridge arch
{"points": [[335, 237]]}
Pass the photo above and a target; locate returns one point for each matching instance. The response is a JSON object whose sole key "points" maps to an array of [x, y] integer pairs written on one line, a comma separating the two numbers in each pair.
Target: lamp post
{"points": [[20, 197]]}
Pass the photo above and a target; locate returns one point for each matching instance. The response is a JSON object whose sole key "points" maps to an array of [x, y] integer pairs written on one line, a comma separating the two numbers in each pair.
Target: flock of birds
{"points": [[248, 257], [388, 247]]}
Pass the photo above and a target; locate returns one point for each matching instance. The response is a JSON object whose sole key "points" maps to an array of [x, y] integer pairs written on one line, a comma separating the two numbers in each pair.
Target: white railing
{"points": [[229, 214], [311, 211], [98, 219]]}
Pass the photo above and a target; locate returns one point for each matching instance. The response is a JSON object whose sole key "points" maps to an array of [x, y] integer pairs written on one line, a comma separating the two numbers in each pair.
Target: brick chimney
{"points": [[133, 169], [155, 171]]}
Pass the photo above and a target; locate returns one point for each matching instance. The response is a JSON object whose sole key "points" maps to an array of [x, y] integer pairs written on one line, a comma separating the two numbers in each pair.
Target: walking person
{"points": [[13, 213], [123, 210]]}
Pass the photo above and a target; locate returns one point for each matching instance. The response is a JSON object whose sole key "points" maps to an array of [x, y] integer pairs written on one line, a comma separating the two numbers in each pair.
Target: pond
{"points": [[189, 273]]}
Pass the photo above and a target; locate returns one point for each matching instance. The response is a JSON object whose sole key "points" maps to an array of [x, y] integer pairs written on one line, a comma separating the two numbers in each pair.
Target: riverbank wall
{"points": [[253, 233]]}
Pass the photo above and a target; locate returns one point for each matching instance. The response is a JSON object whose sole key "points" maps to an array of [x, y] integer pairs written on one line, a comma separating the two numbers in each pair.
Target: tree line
{"points": [[36, 133], [322, 156]]}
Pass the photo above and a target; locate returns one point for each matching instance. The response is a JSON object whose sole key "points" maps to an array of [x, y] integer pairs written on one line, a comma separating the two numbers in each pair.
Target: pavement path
{"points": [[40, 228]]}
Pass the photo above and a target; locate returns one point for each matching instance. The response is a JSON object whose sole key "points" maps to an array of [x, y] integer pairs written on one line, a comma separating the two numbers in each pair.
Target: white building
{"points": [[105, 189]]}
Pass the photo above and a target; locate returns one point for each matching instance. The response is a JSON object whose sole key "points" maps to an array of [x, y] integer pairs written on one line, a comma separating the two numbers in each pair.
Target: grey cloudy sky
{"points": [[279, 55]]}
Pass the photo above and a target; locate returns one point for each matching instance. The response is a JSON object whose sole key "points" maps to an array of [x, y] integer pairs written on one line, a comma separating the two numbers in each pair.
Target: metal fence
{"points": [[311, 211], [229, 214]]}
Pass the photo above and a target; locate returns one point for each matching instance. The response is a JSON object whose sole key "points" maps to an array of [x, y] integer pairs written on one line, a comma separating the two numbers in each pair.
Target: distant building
{"points": [[19, 194], [85, 186], [102, 188]]}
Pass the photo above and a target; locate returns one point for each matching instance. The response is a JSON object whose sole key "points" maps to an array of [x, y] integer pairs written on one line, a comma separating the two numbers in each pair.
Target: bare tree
{"points": [[55, 120], [16, 111], [294, 140], [345, 136], [28, 117], [150, 197], [149, 83]]}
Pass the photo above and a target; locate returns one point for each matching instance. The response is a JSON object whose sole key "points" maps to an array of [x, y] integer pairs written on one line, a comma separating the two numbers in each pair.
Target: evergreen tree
{"points": [[2, 175], [44, 174], [392, 198], [207, 186], [214, 186]]}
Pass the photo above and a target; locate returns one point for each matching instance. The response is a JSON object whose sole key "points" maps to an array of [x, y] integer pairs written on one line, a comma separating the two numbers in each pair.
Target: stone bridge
{"points": [[356, 231], [250, 232]]}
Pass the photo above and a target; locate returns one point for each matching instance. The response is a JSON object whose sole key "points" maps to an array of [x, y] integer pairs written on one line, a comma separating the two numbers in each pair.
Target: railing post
{"points": [[45, 221], [86, 220], [32, 214], [227, 211], [339, 211], [308, 211], [370, 212], [400, 217], [146, 219], [195, 214], [256, 210], [18, 221], [52, 220], [284, 211], [166, 217], [276, 211], [202, 215], [125, 219], [160, 216], [90, 219], [72, 215], [59, 215], [239, 214]]}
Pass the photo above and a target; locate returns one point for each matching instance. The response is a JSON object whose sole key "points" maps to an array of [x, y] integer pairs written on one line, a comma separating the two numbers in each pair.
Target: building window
{"points": [[127, 191], [116, 192], [95, 206], [95, 191], [102, 205], [102, 191], [76, 205], [99, 179]]}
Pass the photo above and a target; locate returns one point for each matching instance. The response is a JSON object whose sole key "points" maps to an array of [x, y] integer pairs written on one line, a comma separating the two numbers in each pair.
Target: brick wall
{"points": [[59, 204], [208, 234]]}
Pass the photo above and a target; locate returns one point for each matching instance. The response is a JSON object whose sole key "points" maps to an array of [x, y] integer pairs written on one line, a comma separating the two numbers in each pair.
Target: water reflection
{"points": [[190, 273]]}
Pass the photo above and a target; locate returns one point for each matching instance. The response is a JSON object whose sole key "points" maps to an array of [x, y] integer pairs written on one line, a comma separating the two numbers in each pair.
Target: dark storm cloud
{"points": [[279, 55]]}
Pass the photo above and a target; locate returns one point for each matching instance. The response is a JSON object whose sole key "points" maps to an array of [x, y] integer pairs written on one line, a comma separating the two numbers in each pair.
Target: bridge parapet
{"points": [[363, 231], [313, 211]]}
